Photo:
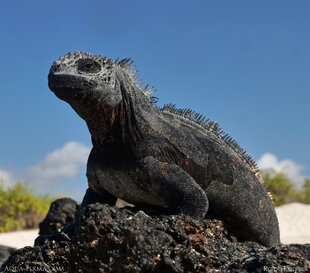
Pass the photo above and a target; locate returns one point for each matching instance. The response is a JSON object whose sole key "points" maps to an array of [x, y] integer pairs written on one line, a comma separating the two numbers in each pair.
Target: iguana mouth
{"points": [[66, 86], [68, 81]]}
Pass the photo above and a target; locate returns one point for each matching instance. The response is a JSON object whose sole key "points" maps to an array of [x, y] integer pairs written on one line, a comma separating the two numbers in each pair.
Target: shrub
{"points": [[20, 208], [283, 190], [306, 191]]}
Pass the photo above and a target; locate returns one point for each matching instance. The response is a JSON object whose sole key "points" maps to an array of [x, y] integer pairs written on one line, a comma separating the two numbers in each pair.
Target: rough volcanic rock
{"points": [[110, 239], [50, 258], [5, 252], [305, 249], [61, 213]]}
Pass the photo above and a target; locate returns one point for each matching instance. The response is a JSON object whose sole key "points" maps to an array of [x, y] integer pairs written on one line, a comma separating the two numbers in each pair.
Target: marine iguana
{"points": [[165, 157]]}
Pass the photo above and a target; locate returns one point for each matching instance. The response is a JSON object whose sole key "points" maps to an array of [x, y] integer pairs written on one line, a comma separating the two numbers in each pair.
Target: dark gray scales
{"points": [[165, 157]]}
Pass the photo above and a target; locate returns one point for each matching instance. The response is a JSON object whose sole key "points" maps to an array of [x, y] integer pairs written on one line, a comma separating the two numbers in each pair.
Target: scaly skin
{"points": [[168, 157]]}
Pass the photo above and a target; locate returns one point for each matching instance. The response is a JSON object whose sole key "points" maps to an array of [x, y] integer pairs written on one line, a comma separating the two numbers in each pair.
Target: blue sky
{"points": [[244, 64]]}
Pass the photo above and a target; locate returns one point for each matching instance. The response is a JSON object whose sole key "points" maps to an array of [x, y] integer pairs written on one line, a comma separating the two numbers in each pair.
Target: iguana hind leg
{"points": [[174, 185]]}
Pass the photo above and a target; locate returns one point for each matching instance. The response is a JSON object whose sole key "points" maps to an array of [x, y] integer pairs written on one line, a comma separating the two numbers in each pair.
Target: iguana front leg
{"points": [[175, 186]]}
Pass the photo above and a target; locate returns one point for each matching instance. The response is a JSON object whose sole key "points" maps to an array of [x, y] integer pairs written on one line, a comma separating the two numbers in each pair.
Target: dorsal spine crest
{"points": [[214, 127]]}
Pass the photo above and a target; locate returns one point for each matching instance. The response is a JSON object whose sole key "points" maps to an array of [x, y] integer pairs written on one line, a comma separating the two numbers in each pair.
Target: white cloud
{"points": [[65, 162], [7, 177], [288, 167]]}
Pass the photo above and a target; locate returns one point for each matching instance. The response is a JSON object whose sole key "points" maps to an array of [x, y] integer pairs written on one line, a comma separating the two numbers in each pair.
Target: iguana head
{"points": [[102, 91], [80, 75], [88, 77]]}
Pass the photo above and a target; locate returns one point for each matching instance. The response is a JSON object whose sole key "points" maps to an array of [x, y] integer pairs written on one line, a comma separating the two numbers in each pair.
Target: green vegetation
{"points": [[283, 190], [306, 191], [20, 208]]}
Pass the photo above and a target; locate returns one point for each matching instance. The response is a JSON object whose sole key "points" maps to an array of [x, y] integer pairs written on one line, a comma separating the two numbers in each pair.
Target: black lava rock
{"points": [[110, 239], [5, 252], [61, 213], [305, 249]]}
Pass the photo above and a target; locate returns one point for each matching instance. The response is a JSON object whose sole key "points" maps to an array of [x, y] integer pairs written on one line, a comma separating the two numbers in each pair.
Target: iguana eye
{"points": [[88, 66]]}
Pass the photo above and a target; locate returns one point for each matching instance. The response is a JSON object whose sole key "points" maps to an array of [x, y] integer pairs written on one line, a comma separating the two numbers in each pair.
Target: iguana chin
{"points": [[167, 157]]}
